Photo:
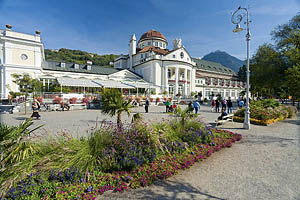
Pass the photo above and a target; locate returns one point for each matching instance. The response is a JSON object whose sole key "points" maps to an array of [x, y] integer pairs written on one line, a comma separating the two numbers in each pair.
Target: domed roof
{"points": [[152, 34]]}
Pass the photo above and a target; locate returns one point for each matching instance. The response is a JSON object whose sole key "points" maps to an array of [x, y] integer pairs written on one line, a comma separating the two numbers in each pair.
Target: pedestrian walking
{"points": [[241, 103], [35, 107], [196, 106], [147, 103], [213, 105], [168, 104], [229, 105], [191, 107], [224, 102], [217, 106]]}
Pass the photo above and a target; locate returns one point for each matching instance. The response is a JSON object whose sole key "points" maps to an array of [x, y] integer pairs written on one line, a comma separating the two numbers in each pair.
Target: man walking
{"points": [[229, 105], [147, 103]]}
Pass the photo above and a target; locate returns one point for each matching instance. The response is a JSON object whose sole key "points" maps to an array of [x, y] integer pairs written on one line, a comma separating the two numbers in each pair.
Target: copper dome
{"points": [[152, 34]]}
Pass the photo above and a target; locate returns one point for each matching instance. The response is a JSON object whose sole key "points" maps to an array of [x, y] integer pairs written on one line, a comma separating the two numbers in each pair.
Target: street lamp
{"points": [[236, 18]]}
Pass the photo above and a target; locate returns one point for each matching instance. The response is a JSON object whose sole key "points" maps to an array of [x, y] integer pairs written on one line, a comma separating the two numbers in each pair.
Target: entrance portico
{"points": [[178, 80]]}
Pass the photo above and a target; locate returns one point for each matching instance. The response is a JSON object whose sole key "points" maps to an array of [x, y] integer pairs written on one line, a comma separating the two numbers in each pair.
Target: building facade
{"points": [[149, 64], [174, 71]]}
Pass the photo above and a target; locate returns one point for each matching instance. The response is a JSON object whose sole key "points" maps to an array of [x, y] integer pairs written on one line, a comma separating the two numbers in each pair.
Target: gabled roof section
{"points": [[122, 57], [154, 49], [212, 66], [70, 67], [126, 74]]}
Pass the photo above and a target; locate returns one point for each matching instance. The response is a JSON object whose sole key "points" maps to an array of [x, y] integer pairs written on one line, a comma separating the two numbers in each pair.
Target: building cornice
{"points": [[21, 40], [21, 67], [163, 60]]}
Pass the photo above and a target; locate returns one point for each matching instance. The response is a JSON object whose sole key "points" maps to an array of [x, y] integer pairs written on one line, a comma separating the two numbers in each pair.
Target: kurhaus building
{"points": [[148, 66], [175, 71]]}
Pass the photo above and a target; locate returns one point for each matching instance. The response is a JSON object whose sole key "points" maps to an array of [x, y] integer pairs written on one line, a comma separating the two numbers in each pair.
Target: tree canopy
{"points": [[274, 68]]}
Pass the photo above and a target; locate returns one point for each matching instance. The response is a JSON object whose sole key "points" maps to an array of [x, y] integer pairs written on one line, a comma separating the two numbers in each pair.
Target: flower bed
{"points": [[266, 112], [128, 158], [256, 121]]}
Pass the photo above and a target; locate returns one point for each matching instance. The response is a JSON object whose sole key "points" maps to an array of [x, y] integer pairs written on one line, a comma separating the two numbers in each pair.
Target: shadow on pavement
{"points": [[292, 121], [21, 118], [251, 139], [164, 190]]}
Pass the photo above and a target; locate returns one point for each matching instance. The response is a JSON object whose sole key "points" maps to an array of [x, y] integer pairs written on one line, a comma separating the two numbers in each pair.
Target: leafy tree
{"points": [[267, 67], [27, 85], [293, 81], [287, 39], [283, 34], [114, 104], [242, 73]]}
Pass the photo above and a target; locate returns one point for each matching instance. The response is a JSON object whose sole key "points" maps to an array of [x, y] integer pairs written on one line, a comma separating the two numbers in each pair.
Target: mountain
{"points": [[225, 59], [77, 56]]}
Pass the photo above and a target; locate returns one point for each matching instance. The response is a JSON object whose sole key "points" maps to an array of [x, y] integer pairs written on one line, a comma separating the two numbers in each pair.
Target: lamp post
{"points": [[236, 18]]}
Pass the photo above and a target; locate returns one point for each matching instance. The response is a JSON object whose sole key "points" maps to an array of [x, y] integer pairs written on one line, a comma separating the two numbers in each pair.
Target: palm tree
{"points": [[114, 104], [184, 114]]}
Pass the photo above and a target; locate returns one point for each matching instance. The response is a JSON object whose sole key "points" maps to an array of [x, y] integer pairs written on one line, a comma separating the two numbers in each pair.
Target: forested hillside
{"points": [[77, 56]]}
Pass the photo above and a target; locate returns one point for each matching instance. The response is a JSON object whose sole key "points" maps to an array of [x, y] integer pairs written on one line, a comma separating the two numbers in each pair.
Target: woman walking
{"points": [[213, 104], [35, 107]]}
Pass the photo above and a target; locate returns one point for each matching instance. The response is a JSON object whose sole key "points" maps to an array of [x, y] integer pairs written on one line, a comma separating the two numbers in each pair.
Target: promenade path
{"points": [[264, 165]]}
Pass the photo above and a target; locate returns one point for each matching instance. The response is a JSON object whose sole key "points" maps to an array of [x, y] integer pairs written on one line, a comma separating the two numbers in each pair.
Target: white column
{"points": [[166, 86], [2, 83], [185, 84], [191, 81], [176, 80]]}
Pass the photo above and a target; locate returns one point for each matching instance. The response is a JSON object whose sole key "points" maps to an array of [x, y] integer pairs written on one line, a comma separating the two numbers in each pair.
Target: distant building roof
{"points": [[212, 66], [152, 34], [70, 67]]}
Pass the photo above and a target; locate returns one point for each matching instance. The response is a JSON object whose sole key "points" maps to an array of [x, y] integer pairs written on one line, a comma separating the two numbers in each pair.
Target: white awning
{"points": [[77, 82], [113, 84], [104, 83], [141, 84]]}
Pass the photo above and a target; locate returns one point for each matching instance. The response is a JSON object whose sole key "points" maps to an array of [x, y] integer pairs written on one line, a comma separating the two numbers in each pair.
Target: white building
{"points": [[175, 71], [22, 53], [149, 64]]}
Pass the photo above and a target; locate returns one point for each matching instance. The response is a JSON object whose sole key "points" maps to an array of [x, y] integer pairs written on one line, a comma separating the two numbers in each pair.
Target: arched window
{"points": [[169, 73]]}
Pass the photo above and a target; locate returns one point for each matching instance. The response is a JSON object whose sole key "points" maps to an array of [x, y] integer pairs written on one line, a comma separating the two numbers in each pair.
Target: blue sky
{"points": [[105, 27]]}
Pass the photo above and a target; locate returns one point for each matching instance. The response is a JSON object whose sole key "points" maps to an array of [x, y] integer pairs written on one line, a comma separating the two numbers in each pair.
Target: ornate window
{"points": [[169, 73], [24, 57], [181, 55]]}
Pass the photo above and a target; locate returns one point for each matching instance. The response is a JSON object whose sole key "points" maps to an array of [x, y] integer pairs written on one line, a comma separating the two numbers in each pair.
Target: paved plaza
{"points": [[264, 165], [80, 122]]}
